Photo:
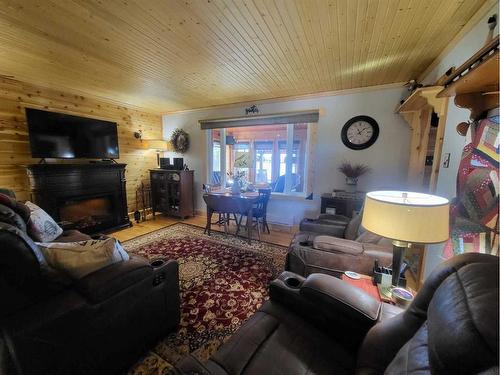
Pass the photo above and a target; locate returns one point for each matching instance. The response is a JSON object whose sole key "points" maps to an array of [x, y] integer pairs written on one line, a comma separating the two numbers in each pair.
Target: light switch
{"points": [[446, 160]]}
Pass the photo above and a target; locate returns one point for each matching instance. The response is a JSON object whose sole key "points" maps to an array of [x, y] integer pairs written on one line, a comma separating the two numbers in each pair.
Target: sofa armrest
{"points": [[334, 306], [110, 280], [327, 227], [335, 219], [337, 245], [328, 292]]}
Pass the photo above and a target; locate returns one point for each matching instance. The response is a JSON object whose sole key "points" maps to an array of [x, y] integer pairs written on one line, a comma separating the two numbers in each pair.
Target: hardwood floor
{"points": [[279, 235]]}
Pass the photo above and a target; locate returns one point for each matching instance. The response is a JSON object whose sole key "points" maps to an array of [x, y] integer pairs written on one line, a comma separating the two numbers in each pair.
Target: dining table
{"points": [[241, 203]]}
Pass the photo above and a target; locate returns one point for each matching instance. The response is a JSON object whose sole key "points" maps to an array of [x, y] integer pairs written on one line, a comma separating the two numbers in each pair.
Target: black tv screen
{"points": [[56, 135]]}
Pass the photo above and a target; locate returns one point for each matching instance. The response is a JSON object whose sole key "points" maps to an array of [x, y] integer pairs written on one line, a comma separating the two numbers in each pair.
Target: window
{"points": [[268, 155], [216, 158], [263, 161]]}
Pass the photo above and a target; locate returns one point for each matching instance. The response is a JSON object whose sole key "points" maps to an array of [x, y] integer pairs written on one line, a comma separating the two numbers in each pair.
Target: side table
{"points": [[366, 283]]}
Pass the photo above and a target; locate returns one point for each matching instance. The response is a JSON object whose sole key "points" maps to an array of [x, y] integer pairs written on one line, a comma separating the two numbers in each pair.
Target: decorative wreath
{"points": [[180, 140]]}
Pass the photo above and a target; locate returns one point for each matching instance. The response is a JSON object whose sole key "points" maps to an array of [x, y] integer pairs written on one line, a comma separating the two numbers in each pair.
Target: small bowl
{"points": [[402, 297]]}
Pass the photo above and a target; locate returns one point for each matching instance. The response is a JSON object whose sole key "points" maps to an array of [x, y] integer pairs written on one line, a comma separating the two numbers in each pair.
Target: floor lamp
{"points": [[407, 218]]}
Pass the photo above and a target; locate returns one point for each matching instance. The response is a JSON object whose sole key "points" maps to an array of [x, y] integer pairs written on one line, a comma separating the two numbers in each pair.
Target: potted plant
{"points": [[352, 172]]}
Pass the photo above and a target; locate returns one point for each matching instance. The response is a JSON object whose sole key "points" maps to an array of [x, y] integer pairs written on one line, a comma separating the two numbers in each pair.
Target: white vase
{"points": [[235, 188], [352, 184]]}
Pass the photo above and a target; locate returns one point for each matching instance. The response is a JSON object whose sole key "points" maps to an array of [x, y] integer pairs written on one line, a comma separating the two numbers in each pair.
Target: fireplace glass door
{"points": [[88, 214]]}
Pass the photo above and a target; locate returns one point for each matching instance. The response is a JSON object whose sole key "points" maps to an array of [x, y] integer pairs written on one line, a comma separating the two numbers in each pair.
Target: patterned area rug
{"points": [[223, 281]]}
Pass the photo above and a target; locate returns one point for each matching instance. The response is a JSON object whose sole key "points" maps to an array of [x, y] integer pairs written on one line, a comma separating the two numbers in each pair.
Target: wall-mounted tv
{"points": [[57, 135]]}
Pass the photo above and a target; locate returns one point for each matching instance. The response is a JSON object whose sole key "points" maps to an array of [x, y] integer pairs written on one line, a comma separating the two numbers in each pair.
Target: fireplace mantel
{"points": [[54, 185]]}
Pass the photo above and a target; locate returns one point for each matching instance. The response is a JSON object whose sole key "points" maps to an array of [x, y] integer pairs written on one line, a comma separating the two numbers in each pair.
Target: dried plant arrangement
{"points": [[353, 170]]}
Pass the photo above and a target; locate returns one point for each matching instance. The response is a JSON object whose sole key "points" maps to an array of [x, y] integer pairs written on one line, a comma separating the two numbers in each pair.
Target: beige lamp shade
{"points": [[159, 145], [407, 216]]}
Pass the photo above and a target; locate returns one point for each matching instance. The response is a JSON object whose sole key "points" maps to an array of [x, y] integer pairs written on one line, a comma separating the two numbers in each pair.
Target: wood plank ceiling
{"points": [[167, 55]]}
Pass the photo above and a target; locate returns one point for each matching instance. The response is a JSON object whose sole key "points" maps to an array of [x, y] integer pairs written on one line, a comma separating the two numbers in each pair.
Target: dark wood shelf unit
{"points": [[172, 192], [343, 205]]}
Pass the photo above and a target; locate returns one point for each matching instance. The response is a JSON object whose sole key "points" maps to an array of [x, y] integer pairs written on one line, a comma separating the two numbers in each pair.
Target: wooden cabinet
{"points": [[343, 205], [172, 192]]}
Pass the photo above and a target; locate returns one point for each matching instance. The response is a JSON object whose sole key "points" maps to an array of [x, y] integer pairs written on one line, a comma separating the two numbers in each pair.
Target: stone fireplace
{"points": [[87, 197]]}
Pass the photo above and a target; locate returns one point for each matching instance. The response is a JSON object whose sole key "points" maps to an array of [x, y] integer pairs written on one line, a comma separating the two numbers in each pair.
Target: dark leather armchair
{"points": [[102, 323], [321, 325]]}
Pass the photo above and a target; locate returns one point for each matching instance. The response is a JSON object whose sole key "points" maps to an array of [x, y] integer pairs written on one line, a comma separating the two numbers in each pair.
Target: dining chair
{"points": [[223, 218], [225, 206], [259, 212]]}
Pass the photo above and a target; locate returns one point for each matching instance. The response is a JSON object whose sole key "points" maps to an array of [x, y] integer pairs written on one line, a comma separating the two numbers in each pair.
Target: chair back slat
{"points": [[264, 196]]}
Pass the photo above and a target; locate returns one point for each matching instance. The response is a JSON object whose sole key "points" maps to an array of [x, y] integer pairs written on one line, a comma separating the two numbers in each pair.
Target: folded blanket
{"points": [[79, 259]]}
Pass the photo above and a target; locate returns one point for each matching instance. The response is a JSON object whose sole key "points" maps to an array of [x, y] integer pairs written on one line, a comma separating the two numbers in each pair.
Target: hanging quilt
{"points": [[474, 212]]}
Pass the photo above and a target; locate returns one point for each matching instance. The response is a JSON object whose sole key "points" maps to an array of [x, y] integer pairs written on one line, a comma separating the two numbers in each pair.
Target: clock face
{"points": [[360, 132]]}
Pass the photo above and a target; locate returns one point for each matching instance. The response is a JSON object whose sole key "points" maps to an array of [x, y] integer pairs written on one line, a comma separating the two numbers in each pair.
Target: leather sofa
{"points": [[321, 325], [99, 324], [333, 244], [315, 253]]}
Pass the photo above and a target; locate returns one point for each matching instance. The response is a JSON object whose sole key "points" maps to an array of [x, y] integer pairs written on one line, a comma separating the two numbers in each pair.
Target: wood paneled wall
{"points": [[15, 152]]}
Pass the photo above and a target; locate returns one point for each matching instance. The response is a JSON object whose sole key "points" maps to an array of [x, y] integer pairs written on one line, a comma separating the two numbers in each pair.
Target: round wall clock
{"points": [[360, 132]]}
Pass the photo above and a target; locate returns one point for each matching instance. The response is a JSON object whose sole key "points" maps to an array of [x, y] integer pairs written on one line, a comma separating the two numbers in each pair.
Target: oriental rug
{"points": [[223, 281]]}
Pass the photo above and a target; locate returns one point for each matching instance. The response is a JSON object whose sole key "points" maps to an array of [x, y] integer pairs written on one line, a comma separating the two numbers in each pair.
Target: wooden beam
{"points": [[477, 103], [438, 149], [420, 98]]}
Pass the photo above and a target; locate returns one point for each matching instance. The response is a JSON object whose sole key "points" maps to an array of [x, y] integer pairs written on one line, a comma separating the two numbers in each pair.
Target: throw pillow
{"points": [[42, 227], [78, 259]]}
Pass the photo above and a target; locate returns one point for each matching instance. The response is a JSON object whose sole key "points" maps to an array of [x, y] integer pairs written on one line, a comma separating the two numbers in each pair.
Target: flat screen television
{"points": [[56, 135]]}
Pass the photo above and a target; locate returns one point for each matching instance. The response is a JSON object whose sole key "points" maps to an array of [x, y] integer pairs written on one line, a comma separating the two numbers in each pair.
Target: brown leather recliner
{"points": [[333, 244], [322, 325], [99, 324], [315, 253]]}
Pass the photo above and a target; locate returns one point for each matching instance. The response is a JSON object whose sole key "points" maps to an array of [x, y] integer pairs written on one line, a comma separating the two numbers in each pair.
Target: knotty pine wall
{"points": [[15, 153]]}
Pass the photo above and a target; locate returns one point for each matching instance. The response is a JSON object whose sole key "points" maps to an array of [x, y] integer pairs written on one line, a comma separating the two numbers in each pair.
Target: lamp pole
{"points": [[398, 253]]}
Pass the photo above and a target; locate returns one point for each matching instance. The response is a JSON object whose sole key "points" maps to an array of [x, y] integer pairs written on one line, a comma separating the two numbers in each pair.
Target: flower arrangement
{"points": [[238, 181]]}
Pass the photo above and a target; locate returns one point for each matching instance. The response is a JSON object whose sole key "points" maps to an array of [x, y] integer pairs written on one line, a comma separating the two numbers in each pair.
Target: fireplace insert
{"points": [[88, 214]]}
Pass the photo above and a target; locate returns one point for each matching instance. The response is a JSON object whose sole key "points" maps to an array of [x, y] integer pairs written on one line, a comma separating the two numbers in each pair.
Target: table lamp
{"points": [[406, 218], [159, 145]]}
